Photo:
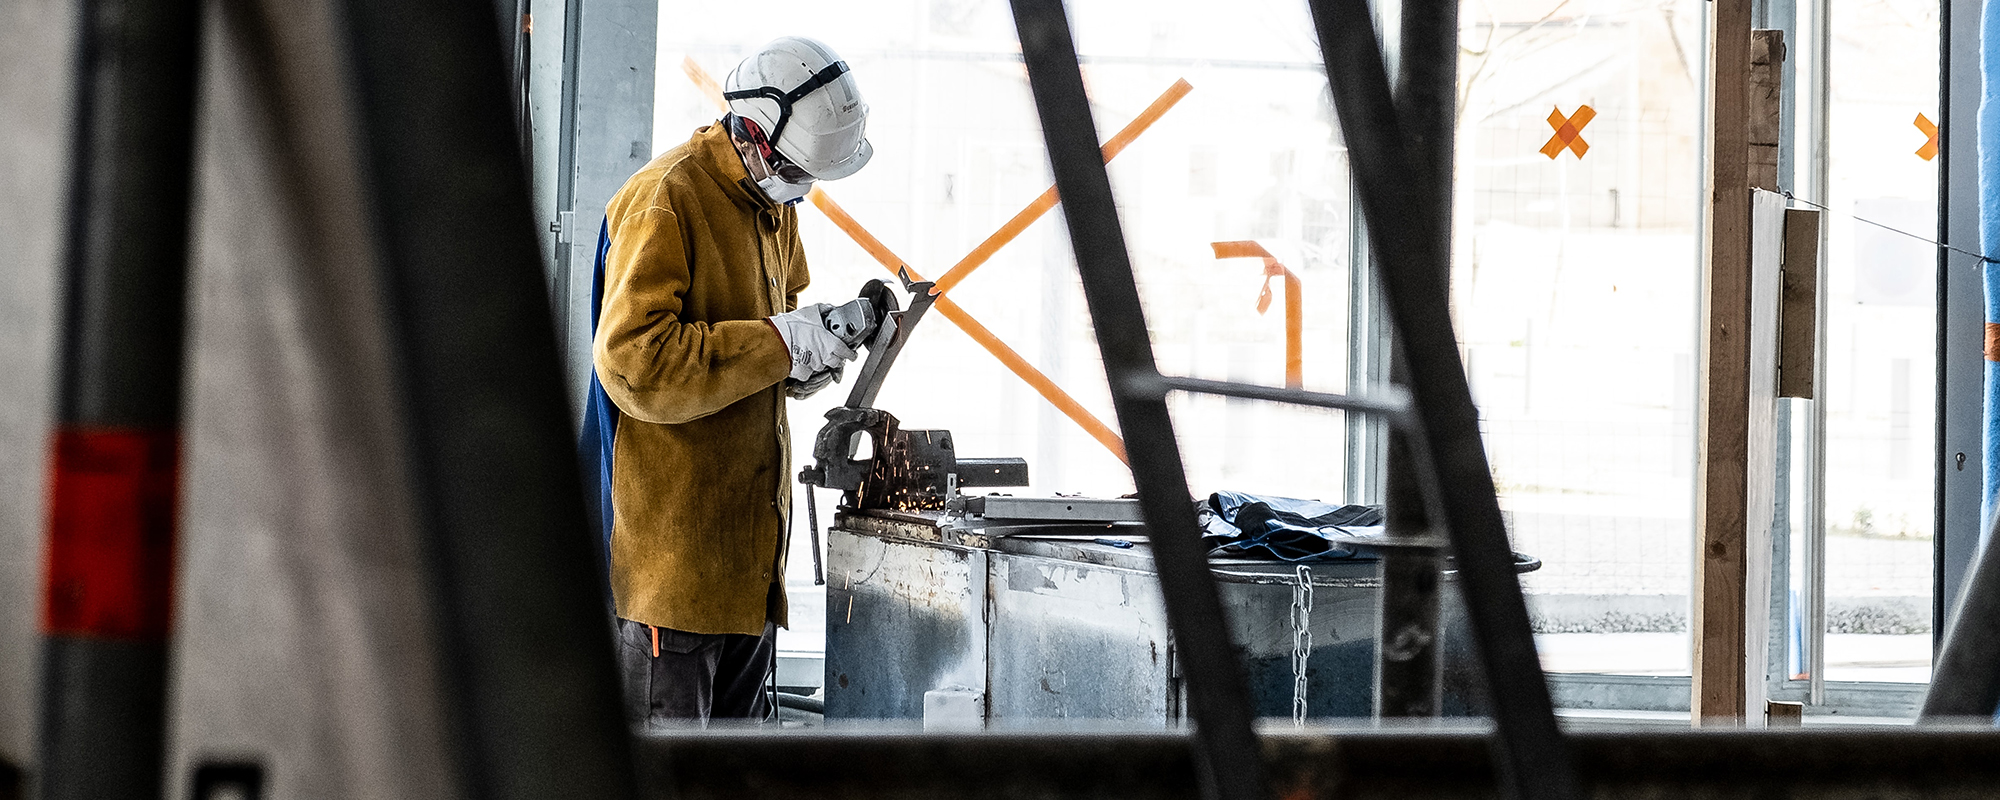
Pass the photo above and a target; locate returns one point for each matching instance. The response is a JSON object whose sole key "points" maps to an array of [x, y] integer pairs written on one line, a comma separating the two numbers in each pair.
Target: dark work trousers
{"points": [[687, 679]]}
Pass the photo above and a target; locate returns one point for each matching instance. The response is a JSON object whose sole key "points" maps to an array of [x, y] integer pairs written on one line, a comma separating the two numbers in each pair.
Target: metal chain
{"points": [[1302, 642]]}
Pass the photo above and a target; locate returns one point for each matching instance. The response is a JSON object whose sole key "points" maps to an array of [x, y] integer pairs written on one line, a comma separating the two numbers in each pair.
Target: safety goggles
{"points": [[748, 130]]}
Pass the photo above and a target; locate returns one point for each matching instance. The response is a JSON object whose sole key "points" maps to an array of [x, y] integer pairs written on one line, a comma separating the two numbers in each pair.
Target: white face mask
{"points": [[782, 192]]}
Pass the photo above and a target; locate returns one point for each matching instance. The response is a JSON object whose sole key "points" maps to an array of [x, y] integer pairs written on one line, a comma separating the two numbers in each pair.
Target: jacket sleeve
{"points": [[656, 367]]}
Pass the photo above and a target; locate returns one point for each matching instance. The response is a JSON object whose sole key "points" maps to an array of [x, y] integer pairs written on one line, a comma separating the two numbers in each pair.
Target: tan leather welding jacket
{"points": [[700, 481]]}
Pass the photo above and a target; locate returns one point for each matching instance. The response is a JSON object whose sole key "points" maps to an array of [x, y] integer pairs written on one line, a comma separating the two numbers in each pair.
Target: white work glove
{"points": [[800, 390], [814, 348]]}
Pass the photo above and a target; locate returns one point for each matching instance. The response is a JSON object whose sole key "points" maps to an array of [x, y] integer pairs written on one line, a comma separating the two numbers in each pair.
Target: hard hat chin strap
{"points": [[786, 99]]}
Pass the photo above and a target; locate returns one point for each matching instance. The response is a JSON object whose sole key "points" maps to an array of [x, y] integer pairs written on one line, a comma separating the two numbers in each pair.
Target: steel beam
{"points": [[527, 670], [1532, 758], [1409, 664], [115, 477], [1796, 764], [1965, 682], [1391, 403], [1227, 761]]}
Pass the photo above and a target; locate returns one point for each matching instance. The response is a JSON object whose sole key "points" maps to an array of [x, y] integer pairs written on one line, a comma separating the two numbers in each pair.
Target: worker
{"points": [[699, 338]]}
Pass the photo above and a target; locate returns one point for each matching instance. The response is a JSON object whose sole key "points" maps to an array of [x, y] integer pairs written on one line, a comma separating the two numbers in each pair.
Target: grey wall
{"points": [[612, 126], [302, 636], [35, 37]]}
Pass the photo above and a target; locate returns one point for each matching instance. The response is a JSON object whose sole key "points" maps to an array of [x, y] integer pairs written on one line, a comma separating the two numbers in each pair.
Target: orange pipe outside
{"points": [[1295, 328], [1294, 304], [979, 333], [1112, 147]]}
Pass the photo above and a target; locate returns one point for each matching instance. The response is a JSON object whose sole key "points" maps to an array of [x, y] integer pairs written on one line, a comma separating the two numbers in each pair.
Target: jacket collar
{"points": [[717, 157]]}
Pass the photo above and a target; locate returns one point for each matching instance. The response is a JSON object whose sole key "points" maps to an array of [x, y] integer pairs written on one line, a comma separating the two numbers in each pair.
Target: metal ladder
{"points": [[1437, 416]]}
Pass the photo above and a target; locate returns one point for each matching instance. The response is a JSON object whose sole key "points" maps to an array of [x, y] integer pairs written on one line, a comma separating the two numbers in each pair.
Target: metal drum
{"points": [[1033, 626]]}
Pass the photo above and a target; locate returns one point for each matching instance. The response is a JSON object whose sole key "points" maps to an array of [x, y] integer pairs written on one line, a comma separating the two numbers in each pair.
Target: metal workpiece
{"points": [[1053, 509], [979, 473], [1531, 757], [1387, 764], [527, 671], [1966, 680], [114, 481], [890, 336], [1227, 762]]}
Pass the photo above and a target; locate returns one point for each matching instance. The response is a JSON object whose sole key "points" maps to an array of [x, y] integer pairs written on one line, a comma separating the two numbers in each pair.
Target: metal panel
{"points": [[1341, 667], [1077, 643], [902, 618], [1966, 597], [1961, 312]]}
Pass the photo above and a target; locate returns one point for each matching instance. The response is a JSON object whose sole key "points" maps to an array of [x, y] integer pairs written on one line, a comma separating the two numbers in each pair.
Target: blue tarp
{"points": [[1989, 234], [600, 424], [1259, 526]]}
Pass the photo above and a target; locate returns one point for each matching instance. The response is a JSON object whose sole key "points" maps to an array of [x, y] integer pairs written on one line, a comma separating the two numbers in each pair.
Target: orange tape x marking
{"points": [[979, 255], [1569, 132], [1930, 129]]}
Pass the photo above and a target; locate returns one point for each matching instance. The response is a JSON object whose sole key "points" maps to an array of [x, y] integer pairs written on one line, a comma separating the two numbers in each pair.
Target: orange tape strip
{"points": [[1042, 204], [979, 333]]}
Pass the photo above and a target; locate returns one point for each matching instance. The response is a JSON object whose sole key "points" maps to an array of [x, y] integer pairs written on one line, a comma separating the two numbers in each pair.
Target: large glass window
{"points": [[1576, 275], [1881, 341], [1251, 153]]}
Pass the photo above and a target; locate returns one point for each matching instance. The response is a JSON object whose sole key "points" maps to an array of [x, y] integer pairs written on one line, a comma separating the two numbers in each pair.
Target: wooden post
{"points": [[1799, 331], [1764, 105], [1741, 282]]}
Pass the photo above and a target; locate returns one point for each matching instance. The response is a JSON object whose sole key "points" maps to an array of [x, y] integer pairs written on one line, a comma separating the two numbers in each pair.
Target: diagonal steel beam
{"points": [[115, 454], [1966, 682], [527, 669], [1227, 759], [1531, 757]]}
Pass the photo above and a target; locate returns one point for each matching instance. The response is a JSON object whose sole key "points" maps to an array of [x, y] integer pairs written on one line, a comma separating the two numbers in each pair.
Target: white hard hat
{"points": [[802, 96]]}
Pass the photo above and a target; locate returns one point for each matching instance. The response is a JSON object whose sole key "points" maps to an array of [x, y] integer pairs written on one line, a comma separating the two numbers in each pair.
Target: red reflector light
{"points": [[113, 498]]}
